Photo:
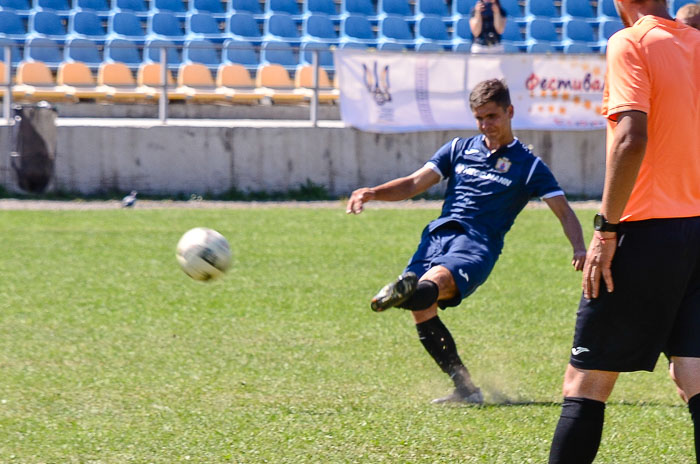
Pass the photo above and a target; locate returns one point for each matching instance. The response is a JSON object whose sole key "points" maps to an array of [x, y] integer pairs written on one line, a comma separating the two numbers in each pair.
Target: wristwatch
{"points": [[600, 224]]}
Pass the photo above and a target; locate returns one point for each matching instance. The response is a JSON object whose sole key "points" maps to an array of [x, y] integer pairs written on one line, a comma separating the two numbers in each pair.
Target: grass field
{"points": [[110, 354]]}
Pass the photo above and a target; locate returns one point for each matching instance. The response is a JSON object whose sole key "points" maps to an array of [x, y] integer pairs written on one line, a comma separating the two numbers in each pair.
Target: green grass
{"points": [[110, 354]]}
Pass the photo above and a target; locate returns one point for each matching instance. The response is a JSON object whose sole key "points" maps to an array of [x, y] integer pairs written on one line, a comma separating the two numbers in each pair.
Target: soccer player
{"points": [[491, 177], [646, 243]]}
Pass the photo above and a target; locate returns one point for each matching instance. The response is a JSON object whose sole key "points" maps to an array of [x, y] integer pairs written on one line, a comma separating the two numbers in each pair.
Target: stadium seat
{"points": [[45, 50], [541, 9], [174, 7], [197, 83], [289, 7], [35, 82], [277, 52], [240, 52], [675, 5], [326, 7], [204, 26], [513, 10], [201, 51], [577, 9], [15, 55], [100, 7], [579, 30], [78, 76], [128, 26], [148, 78], [251, 7], [461, 32], [395, 8], [512, 48], [462, 8], [281, 26], [325, 56], [319, 28], [304, 79], [391, 47], [123, 51], [607, 27], [431, 33], [47, 24], [58, 7], [137, 7], [275, 83], [512, 37], [243, 26], [236, 81], [166, 26], [541, 47], [357, 28], [12, 26], [433, 8], [87, 25], [152, 51], [541, 31], [394, 30], [354, 45], [118, 84], [213, 8], [578, 47], [83, 50], [20, 7], [606, 10], [359, 7]]}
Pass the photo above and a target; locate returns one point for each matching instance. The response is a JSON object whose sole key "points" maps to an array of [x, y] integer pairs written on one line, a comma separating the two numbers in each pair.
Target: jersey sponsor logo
{"points": [[503, 164], [462, 169], [471, 151], [464, 275], [578, 350]]}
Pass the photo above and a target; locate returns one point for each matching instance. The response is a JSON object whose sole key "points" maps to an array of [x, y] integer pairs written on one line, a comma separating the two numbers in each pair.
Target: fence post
{"points": [[7, 101], [314, 95], [163, 102]]}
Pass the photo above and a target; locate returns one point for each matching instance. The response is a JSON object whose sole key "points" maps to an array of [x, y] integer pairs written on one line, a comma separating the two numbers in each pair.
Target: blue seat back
{"points": [[236, 51], [432, 7], [202, 23], [93, 5], [541, 8], [541, 30], [53, 5], [137, 6], [47, 23], [395, 7], [282, 6], [541, 47], [172, 6], [578, 29], [461, 30], [395, 27], [360, 7], [608, 27], [462, 7], [152, 52], [207, 6], [577, 47], [124, 51], [607, 8], [319, 25], [83, 50], [281, 25], [432, 27], [43, 49], [11, 23], [512, 32], [320, 6], [244, 25], [325, 56], [512, 8], [86, 23], [165, 24], [250, 6], [15, 55], [201, 51], [279, 53], [357, 27], [125, 23], [19, 5], [577, 9]]}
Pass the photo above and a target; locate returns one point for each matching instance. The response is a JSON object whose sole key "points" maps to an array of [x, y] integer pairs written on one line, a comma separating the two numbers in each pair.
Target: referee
{"points": [[641, 280], [490, 179]]}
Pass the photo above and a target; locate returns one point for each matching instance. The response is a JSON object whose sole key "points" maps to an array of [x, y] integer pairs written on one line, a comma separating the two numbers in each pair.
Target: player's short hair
{"points": [[492, 90], [689, 14]]}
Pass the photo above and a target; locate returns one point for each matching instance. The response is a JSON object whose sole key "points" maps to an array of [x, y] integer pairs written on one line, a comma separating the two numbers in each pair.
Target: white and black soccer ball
{"points": [[203, 254]]}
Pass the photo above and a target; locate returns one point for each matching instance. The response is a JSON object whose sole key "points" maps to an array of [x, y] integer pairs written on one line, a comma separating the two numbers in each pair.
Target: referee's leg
{"points": [[686, 373], [580, 427]]}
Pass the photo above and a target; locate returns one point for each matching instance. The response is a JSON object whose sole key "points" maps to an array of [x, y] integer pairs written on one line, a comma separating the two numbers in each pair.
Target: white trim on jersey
{"points": [[555, 193], [532, 169], [434, 167]]}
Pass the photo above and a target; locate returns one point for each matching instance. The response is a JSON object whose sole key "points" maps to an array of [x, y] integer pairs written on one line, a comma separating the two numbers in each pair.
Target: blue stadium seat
{"points": [[83, 50], [541, 9], [175, 7], [20, 7], [395, 30], [12, 26], [395, 8], [319, 28], [511, 48], [607, 28], [204, 26], [278, 53], [290, 7], [541, 31], [433, 8], [541, 47], [462, 34], [432, 30], [281, 26], [87, 25], [577, 47], [137, 7], [123, 51], [606, 10], [513, 10], [240, 52], [357, 29], [462, 8], [151, 53], [462, 47], [251, 7], [166, 26], [325, 56], [359, 7], [201, 51], [391, 47], [326, 7], [577, 9], [512, 37], [100, 7], [126, 25], [47, 24], [429, 47], [243, 26], [579, 30], [59, 7], [43, 49], [353, 45], [15, 55], [211, 7], [675, 5]]}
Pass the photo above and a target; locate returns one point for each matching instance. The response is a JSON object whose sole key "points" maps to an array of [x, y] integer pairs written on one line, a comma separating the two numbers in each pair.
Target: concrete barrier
{"points": [[215, 156]]}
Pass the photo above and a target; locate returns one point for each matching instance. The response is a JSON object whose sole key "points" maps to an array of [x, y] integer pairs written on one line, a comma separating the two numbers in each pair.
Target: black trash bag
{"points": [[34, 145]]}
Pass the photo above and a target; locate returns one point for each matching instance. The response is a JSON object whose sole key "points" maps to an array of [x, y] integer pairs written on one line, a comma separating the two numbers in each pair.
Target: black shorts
{"points": [[655, 305]]}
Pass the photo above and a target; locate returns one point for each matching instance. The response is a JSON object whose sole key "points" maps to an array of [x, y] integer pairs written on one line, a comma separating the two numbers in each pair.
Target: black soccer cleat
{"points": [[395, 293], [472, 397]]}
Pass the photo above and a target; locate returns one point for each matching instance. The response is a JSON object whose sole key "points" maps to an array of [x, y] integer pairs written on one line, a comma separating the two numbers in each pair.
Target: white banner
{"points": [[400, 92]]}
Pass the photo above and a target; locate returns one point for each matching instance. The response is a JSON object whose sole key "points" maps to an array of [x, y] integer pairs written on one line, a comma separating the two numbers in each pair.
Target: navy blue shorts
{"points": [[655, 306], [469, 261]]}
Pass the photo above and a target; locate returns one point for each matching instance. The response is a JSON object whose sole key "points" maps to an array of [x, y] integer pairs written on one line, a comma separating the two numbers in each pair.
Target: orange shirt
{"points": [[654, 67]]}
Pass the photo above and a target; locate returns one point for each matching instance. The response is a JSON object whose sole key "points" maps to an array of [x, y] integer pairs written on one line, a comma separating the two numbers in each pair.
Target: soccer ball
{"points": [[203, 254]]}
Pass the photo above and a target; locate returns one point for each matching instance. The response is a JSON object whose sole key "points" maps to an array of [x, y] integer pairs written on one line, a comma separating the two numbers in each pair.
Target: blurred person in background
{"points": [[487, 23], [689, 15]]}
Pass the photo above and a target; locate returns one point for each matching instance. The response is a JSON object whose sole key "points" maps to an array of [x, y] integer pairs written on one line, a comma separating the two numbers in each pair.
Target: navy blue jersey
{"points": [[486, 191]]}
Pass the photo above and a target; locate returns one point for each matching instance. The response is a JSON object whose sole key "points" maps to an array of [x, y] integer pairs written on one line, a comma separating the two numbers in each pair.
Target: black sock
{"points": [[577, 436], [694, 407], [424, 297], [438, 341]]}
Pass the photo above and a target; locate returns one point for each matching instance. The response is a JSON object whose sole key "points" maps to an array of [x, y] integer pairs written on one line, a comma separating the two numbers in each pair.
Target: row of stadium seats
{"points": [[517, 9], [115, 82]]}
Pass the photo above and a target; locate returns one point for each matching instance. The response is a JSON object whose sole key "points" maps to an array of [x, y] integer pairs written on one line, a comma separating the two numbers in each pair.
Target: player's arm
{"points": [[626, 155], [394, 190], [572, 228]]}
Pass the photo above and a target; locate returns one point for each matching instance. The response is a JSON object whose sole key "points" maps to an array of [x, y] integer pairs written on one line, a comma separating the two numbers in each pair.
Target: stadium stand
{"points": [[325, 56], [46, 24], [577, 9], [203, 52], [58, 7], [359, 8], [244, 26], [278, 52], [87, 25], [326, 7], [123, 51], [275, 83], [606, 10], [137, 7], [148, 78], [119, 84], [357, 30], [251, 7], [304, 78], [45, 50], [152, 51], [319, 28], [213, 8], [236, 81], [19, 7], [288, 7], [240, 52], [100, 7], [35, 82], [401, 8], [282, 27], [174, 7], [434, 8], [580, 33], [394, 30], [204, 26], [432, 35], [83, 50], [12, 26], [196, 82], [78, 77], [166, 26], [462, 36], [128, 26]]}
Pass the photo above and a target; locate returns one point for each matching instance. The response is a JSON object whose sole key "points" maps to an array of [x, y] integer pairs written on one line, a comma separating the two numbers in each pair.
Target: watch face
{"points": [[598, 221]]}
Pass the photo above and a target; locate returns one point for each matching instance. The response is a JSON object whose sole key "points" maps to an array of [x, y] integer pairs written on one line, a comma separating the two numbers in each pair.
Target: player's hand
{"points": [[598, 260], [357, 200], [579, 259]]}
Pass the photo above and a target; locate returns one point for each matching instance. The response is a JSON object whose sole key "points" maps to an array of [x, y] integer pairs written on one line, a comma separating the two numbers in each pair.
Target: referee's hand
{"points": [[598, 260]]}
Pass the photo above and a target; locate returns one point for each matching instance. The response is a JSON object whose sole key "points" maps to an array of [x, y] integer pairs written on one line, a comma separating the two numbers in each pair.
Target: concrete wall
{"points": [[216, 156]]}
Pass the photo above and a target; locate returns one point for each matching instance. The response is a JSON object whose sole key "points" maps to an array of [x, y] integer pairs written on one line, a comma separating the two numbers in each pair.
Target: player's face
{"points": [[493, 120]]}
